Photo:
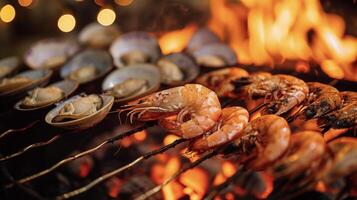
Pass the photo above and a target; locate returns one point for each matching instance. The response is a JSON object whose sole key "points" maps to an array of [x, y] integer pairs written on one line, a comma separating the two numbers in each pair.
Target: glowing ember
{"points": [[176, 41], [269, 32]]}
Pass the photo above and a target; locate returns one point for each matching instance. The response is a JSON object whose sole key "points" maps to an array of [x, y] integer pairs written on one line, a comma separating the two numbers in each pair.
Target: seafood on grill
{"points": [[50, 53], [232, 121], [132, 82], [87, 66], [220, 80], [9, 66], [80, 111], [42, 97], [197, 108], [215, 55], [280, 92], [200, 38], [320, 100], [346, 116], [302, 157], [261, 143], [23, 82], [177, 69], [98, 36], [135, 47]]}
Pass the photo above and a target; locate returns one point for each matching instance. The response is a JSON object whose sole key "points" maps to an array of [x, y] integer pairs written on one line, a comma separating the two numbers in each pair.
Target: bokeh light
{"points": [[66, 23], [7, 13], [123, 2], [25, 3], [106, 17]]}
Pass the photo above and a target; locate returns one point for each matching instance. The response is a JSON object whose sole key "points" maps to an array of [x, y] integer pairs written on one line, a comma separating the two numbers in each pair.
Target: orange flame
{"points": [[269, 32], [176, 41]]}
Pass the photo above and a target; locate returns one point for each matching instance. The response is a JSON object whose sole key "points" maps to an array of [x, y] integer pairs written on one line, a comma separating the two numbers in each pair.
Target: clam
{"points": [[8, 66], [50, 53], [43, 97], [132, 82], [135, 47], [177, 69], [87, 66], [80, 111], [98, 36], [215, 55], [23, 82], [200, 38]]}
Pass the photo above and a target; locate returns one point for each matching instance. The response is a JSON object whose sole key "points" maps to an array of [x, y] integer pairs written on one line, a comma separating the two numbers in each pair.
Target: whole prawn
{"points": [[231, 123], [304, 151], [220, 80], [346, 116], [321, 100], [197, 108], [261, 142], [281, 92]]}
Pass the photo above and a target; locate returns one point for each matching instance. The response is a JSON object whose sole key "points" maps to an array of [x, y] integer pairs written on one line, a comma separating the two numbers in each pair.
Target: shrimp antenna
{"points": [[257, 108], [79, 155], [8, 132], [121, 169], [156, 189]]}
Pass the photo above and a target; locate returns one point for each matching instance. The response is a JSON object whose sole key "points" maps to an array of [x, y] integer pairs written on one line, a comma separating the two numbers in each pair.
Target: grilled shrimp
{"points": [[220, 81], [305, 149], [346, 116], [321, 99], [262, 142], [281, 92], [231, 123], [344, 162], [197, 109]]}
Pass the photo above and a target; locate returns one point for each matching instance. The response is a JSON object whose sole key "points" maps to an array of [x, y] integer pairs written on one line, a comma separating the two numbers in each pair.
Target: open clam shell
{"points": [[177, 69], [9, 66], [86, 121], [215, 55], [33, 79], [87, 66], [135, 47], [67, 87], [50, 53], [98, 36], [200, 38], [147, 72]]}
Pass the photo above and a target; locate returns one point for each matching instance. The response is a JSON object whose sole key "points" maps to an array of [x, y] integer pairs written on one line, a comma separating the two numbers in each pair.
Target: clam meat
{"points": [[8, 84], [42, 96], [169, 71], [129, 87], [83, 74], [79, 108]]}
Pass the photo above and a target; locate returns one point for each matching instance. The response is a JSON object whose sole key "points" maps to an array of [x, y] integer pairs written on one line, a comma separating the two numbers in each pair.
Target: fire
{"points": [[270, 32], [176, 41]]}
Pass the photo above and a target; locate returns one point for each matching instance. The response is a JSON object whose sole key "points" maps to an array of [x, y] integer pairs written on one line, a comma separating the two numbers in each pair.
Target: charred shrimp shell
{"points": [[177, 69], [50, 53], [9, 66], [132, 82], [135, 47], [215, 55], [80, 111], [87, 66], [98, 36], [41, 98]]}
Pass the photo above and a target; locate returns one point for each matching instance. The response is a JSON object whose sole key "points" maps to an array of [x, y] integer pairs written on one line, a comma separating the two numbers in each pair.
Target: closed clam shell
{"points": [[84, 122], [184, 63], [66, 86], [39, 78], [98, 36], [137, 71], [99, 60], [9, 66], [215, 55], [139, 43], [200, 38], [50, 53]]}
